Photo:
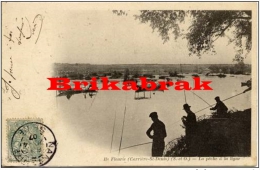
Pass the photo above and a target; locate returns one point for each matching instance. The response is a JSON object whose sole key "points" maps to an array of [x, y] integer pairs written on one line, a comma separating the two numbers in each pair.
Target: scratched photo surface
{"points": [[204, 55]]}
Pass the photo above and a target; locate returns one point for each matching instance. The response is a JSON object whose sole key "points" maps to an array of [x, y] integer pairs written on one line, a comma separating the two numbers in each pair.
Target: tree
{"points": [[126, 75], [206, 27], [240, 67], [214, 68], [116, 75], [225, 69], [93, 74], [136, 73], [173, 74]]}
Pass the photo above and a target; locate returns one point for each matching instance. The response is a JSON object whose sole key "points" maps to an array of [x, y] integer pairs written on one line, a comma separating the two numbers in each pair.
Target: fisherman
{"points": [[159, 133], [220, 107], [249, 85], [190, 124]]}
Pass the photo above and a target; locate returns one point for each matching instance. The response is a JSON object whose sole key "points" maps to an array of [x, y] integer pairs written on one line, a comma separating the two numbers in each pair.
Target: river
{"points": [[92, 119]]}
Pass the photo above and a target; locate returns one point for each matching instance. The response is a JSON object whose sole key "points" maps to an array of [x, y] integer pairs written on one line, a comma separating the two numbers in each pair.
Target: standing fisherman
{"points": [[159, 133], [190, 124]]}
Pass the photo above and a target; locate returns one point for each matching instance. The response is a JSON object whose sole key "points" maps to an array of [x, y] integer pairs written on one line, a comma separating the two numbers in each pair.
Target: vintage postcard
{"points": [[108, 84]]}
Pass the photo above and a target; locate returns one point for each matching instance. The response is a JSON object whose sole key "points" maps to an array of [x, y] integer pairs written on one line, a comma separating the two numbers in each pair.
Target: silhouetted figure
{"points": [[68, 96], [248, 84], [220, 107], [159, 133], [190, 123]]}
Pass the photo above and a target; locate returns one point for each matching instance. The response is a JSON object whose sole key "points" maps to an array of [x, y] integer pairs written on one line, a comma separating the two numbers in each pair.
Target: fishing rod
{"points": [[134, 146], [233, 96], [210, 106], [174, 122], [122, 132], [184, 89], [122, 126], [113, 133], [56, 99], [185, 96], [222, 100], [200, 97]]}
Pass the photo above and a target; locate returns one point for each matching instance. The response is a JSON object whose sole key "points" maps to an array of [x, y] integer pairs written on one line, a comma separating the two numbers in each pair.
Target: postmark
{"points": [[33, 144]]}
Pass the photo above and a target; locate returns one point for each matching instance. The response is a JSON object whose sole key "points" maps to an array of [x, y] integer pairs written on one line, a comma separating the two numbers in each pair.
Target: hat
{"points": [[153, 114], [186, 106], [216, 97]]}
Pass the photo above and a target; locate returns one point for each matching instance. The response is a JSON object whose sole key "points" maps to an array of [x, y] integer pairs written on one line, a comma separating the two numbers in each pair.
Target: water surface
{"points": [[92, 119]]}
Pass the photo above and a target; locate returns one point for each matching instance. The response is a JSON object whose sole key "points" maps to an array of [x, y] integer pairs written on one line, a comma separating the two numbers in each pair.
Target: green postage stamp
{"points": [[12, 126]]}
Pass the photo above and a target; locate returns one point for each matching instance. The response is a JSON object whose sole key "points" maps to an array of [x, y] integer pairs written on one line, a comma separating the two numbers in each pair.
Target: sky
{"points": [[101, 37]]}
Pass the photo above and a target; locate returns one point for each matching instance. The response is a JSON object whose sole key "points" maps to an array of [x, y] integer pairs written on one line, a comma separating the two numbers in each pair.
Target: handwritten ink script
{"points": [[24, 30], [7, 84]]}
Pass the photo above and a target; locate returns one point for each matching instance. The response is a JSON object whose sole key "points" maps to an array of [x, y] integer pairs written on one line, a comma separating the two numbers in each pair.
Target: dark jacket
{"points": [[159, 132], [220, 107], [190, 121]]}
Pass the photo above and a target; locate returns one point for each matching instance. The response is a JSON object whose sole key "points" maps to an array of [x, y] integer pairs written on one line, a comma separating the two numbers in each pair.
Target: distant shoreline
{"points": [[146, 70]]}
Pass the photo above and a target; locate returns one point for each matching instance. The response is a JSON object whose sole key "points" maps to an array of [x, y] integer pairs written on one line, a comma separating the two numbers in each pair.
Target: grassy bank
{"points": [[218, 137]]}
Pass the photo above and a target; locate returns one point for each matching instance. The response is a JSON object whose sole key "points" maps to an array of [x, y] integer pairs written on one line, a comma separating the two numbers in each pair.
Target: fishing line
{"points": [[122, 127], [233, 96], [174, 123], [122, 132], [185, 96], [222, 100], [56, 98], [113, 133], [209, 107], [200, 97], [134, 146], [184, 89], [92, 102]]}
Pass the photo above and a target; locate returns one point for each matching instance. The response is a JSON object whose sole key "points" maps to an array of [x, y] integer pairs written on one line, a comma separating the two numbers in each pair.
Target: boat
{"points": [[195, 75], [247, 83], [221, 75]]}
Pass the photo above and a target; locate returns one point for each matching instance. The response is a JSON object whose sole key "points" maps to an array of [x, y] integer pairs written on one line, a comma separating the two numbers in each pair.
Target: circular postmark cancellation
{"points": [[33, 144]]}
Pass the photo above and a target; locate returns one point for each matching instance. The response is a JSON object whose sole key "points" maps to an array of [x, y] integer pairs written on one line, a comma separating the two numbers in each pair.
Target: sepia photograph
{"points": [[129, 84]]}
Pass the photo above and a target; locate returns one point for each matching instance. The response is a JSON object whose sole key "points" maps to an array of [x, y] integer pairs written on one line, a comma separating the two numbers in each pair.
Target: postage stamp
{"points": [[30, 143], [12, 126]]}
